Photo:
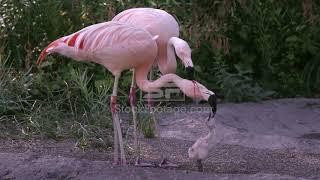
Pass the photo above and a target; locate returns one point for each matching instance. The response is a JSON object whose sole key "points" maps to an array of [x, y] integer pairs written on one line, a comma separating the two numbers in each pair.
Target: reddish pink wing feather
{"points": [[70, 42], [81, 44], [44, 52], [73, 40]]}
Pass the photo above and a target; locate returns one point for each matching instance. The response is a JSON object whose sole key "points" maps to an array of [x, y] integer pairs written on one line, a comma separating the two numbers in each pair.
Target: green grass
{"points": [[31, 106]]}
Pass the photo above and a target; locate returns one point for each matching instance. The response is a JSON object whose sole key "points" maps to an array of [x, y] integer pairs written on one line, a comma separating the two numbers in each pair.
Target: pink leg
{"points": [[165, 163], [118, 142], [113, 102], [133, 104]]}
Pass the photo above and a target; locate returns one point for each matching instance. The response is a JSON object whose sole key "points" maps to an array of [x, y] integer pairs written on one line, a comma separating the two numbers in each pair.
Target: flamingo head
{"points": [[212, 100], [183, 51], [190, 73], [196, 90]]}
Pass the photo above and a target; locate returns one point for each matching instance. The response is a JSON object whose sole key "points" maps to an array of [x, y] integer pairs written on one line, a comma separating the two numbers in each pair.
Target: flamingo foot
{"points": [[167, 164], [138, 163], [200, 165], [115, 163], [124, 162], [118, 162]]}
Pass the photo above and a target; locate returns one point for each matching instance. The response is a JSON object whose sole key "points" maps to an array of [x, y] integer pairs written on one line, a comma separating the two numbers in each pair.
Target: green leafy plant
{"points": [[146, 125], [239, 85]]}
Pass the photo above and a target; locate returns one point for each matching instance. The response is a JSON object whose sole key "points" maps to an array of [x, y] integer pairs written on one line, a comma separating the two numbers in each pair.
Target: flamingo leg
{"points": [[164, 159], [133, 104], [157, 132], [118, 141]]}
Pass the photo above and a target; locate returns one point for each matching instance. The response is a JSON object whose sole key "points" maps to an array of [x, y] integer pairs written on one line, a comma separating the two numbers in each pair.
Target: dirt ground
{"points": [[277, 139]]}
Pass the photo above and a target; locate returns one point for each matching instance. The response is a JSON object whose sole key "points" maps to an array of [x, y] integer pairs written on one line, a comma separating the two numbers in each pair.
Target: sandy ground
{"points": [[277, 139]]}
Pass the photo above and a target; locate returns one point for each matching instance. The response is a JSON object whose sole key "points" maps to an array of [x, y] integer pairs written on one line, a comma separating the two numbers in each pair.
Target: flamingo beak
{"points": [[190, 73], [200, 165], [213, 103]]}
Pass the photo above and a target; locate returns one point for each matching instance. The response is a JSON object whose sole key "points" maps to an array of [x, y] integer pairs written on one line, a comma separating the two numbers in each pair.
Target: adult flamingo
{"points": [[118, 47], [161, 23]]}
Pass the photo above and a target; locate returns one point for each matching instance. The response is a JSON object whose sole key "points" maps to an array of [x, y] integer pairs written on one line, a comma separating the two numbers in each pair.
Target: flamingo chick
{"points": [[118, 47], [201, 148]]}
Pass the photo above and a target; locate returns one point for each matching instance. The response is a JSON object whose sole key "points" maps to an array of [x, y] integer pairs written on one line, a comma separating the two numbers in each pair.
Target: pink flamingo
{"points": [[120, 47], [161, 23]]}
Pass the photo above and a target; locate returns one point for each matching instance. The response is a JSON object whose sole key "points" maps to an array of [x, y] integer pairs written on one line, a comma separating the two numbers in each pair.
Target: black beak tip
{"points": [[213, 103], [190, 73]]}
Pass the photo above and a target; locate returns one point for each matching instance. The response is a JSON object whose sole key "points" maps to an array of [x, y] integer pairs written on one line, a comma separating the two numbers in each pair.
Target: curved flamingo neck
{"points": [[171, 63], [176, 44], [191, 89], [152, 86]]}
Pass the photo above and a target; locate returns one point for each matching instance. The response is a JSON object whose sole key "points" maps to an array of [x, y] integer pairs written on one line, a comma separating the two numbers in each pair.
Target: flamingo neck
{"points": [[152, 86], [171, 64], [191, 89]]}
